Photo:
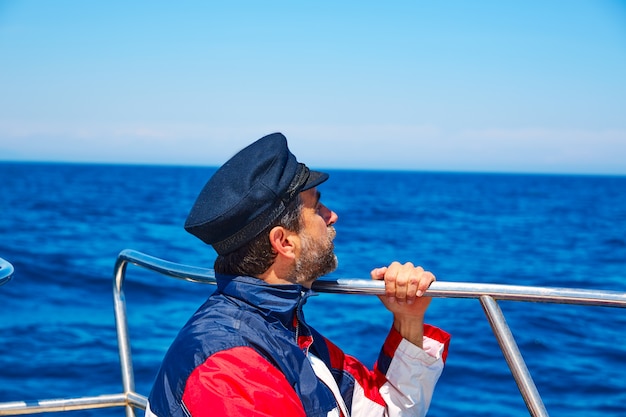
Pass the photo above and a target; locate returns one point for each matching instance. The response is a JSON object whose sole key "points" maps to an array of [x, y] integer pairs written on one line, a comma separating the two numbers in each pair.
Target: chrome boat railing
{"points": [[6, 271], [487, 294]]}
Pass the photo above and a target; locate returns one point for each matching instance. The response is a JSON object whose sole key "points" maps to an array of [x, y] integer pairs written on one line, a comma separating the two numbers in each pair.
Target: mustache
{"points": [[332, 232]]}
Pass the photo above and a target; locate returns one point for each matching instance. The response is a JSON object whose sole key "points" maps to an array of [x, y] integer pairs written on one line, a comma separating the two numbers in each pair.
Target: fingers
{"points": [[404, 282], [424, 284]]}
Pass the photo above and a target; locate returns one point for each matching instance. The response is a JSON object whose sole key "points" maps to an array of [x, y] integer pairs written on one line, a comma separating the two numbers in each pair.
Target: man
{"points": [[248, 350]]}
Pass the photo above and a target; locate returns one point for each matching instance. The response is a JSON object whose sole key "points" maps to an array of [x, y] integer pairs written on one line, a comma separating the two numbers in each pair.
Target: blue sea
{"points": [[62, 226]]}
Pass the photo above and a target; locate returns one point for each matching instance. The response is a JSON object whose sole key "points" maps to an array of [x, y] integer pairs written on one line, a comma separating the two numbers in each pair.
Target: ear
{"points": [[284, 242]]}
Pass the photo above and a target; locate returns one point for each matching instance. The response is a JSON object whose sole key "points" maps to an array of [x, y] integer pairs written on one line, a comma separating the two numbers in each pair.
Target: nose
{"points": [[333, 218], [330, 217]]}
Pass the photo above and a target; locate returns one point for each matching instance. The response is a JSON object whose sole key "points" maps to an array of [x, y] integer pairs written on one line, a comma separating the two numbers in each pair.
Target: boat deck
{"points": [[6, 271], [487, 294]]}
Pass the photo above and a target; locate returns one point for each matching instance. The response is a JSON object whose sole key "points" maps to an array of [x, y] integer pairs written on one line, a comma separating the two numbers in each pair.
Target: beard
{"points": [[318, 258]]}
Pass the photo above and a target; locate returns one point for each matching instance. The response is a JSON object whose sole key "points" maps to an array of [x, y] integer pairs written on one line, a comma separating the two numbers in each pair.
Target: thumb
{"points": [[378, 273]]}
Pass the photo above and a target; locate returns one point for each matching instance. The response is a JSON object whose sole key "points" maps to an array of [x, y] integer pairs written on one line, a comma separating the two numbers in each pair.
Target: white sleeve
{"points": [[411, 378]]}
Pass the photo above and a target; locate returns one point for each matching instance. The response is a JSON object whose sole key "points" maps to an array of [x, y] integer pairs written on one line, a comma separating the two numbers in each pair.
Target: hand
{"points": [[405, 286]]}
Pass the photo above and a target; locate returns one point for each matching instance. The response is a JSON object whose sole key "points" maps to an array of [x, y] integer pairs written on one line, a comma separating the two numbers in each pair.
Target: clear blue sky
{"points": [[507, 86]]}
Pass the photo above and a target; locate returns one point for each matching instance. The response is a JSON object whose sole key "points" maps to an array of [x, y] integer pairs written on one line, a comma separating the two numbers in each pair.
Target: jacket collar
{"points": [[275, 302]]}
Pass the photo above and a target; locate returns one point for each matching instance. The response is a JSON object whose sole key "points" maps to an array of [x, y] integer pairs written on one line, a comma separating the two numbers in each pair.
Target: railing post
{"points": [[513, 357], [123, 341]]}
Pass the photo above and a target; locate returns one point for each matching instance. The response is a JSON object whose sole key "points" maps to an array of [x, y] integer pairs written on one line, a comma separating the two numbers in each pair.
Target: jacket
{"points": [[248, 351]]}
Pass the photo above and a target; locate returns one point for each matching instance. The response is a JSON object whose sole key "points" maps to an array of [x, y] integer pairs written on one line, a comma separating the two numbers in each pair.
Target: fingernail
{"points": [[391, 299], [419, 293], [410, 301]]}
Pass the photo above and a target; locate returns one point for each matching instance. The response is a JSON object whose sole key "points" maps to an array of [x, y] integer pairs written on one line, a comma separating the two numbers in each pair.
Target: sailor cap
{"points": [[248, 193]]}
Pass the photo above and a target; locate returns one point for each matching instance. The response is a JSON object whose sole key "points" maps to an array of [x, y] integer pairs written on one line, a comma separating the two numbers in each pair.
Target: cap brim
{"points": [[315, 179]]}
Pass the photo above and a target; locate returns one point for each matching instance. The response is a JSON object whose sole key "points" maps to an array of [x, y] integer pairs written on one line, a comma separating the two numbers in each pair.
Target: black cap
{"points": [[248, 193]]}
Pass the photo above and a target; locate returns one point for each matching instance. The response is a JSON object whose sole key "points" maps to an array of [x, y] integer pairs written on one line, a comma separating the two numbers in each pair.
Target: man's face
{"points": [[316, 257]]}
